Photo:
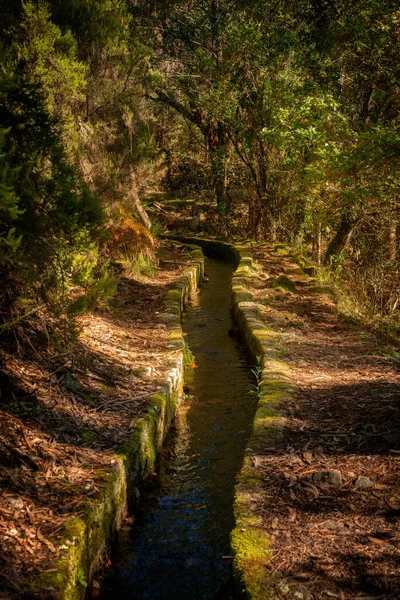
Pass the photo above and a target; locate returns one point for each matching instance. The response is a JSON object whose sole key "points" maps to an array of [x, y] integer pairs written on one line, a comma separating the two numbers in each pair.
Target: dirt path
{"points": [[331, 498], [332, 489], [64, 412]]}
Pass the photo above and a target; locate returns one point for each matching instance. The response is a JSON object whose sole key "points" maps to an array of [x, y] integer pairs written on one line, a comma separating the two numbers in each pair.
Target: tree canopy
{"points": [[284, 113]]}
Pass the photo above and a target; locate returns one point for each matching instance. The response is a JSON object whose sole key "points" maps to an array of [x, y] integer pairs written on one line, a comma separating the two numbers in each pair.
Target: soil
{"points": [[331, 498], [63, 414], [335, 535]]}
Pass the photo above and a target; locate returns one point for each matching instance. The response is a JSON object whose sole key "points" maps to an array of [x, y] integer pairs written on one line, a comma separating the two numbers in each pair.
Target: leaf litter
{"points": [[64, 414], [340, 541]]}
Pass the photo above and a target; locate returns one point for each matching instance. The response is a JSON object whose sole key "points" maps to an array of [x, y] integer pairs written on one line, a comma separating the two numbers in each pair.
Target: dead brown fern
{"points": [[128, 239]]}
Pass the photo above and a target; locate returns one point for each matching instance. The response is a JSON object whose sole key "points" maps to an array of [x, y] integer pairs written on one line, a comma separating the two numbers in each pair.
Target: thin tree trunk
{"points": [[317, 239], [393, 236], [140, 209], [255, 213], [218, 150], [341, 238], [253, 204], [393, 241], [274, 234], [251, 218]]}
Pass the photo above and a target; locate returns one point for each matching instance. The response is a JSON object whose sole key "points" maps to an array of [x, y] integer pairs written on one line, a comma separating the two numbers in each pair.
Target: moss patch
{"points": [[88, 436], [283, 282], [250, 541], [86, 539], [252, 549]]}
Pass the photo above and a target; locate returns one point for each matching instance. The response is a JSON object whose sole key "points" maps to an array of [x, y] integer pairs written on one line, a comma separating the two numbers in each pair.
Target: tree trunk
{"points": [[341, 238], [255, 213], [140, 209], [216, 138], [393, 241], [317, 239], [218, 150], [393, 235]]}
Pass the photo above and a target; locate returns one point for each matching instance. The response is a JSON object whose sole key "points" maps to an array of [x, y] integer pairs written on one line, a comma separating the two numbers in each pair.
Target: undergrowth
{"points": [[364, 294], [354, 305], [188, 358], [257, 373]]}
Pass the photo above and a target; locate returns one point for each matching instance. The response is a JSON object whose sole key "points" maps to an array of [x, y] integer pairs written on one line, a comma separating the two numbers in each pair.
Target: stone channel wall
{"points": [[251, 544], [89, 537]]}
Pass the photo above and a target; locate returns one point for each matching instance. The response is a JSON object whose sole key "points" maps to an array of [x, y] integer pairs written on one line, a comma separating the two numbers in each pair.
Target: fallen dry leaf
{"points": [[45, 541], [379, 541], [308, 456]]}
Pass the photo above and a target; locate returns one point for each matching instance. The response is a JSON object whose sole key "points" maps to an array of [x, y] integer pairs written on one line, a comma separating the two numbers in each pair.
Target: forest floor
{"points": [[64, 414], [331, 498]]}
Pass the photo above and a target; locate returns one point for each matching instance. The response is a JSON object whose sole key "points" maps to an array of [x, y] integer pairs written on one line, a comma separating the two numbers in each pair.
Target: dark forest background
{"points": [[280, 119]]}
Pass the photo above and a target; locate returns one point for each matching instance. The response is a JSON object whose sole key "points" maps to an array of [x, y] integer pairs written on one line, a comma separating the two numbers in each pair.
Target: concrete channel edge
{"points": [[251, 544], [87, 539]]}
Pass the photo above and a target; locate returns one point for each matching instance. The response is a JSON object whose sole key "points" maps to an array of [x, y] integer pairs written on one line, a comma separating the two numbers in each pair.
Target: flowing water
{"points": [[179, 546]]}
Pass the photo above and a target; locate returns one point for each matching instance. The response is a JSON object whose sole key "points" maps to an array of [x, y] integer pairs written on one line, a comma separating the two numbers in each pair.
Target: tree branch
{"points": [[194, 116]]}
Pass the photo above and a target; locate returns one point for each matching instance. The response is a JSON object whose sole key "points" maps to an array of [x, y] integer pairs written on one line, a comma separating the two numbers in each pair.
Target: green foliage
{"points": [[49, 59], [80, 266], [139, 265], [257, 373], [82, 577], [101, 291], [73, 139], [9, 208], [45, 204], [188, 358], [284, 283], [285, 113]]}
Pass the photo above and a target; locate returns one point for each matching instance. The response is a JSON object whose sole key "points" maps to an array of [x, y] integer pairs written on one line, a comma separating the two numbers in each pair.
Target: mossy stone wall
{"points": [[251, 544], [212, 248], [86, 539]]}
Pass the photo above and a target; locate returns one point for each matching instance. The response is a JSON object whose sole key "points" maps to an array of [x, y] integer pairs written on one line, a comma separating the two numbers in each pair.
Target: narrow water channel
{"points": [[179, 547]]}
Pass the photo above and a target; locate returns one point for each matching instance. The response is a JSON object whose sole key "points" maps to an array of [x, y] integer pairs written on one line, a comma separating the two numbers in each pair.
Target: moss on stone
{"points": [[64, 582], [283, 282], [274, 382], [83, 540], [173, 296], [130, 447], [247, 480], [250, 542], [252, 549], [158, 402], [280, 249], [265, 412], [299, 259], [175, 335], [74, 528]]}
